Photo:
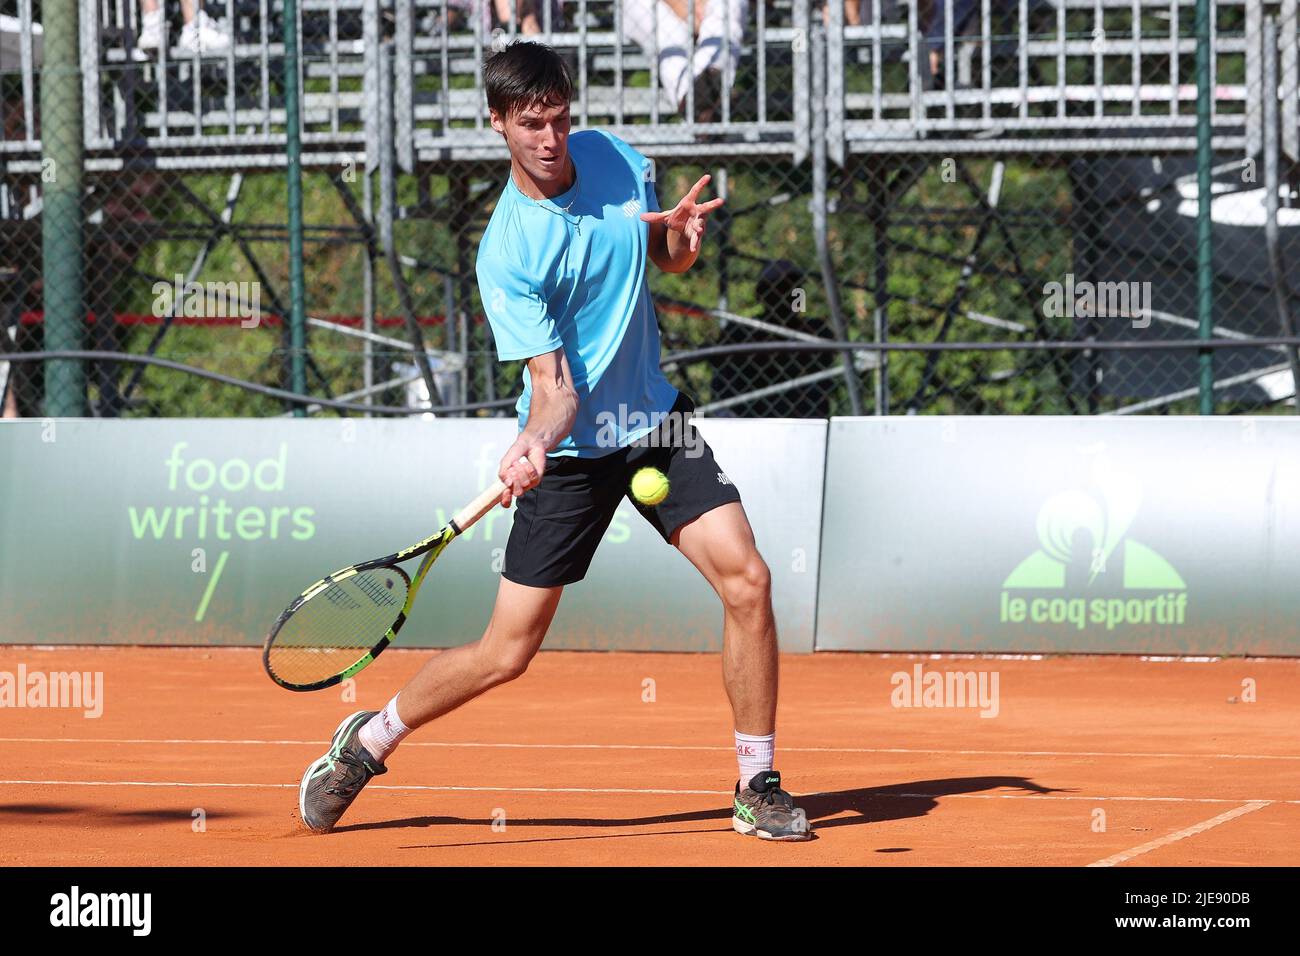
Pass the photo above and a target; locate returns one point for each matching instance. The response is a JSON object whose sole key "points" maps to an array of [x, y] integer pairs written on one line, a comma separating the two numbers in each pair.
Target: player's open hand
{"points": [[521, 468], [688, 216]]}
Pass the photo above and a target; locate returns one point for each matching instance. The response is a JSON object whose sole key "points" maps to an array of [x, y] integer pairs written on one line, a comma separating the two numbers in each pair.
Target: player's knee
{"points": [[508, 663], [749, 587]]}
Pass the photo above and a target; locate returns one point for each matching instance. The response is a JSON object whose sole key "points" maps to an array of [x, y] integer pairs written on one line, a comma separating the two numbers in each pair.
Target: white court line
{"points": [[510, 746], [1040, 796], [1127, 855], [373, 786], [633, 790]]}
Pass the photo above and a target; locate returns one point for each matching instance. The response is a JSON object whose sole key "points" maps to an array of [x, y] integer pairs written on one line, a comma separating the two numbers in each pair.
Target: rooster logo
{"points": [[1083, 540]]}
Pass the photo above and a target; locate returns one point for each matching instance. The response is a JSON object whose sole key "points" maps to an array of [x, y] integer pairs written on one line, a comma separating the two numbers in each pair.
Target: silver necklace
{"points": [[565, 209], [569, 204]]}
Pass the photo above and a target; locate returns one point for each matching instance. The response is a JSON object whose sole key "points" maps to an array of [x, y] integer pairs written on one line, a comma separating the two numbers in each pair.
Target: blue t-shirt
{"points": [[571, 271]]}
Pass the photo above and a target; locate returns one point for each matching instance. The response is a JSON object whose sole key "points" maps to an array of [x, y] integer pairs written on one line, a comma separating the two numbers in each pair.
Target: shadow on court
{"points": [[903, 800], [570, 839], [867, 805], [100, 816]]}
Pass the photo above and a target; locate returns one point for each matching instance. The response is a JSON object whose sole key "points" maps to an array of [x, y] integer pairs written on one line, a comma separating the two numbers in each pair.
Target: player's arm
{"points": [[523, 328], [551, 413], [676, 234], [668, 253]]}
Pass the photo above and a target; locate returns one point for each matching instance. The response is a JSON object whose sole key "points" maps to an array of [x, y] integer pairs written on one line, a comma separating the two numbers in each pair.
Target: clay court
{"points": [[1089, 761]]}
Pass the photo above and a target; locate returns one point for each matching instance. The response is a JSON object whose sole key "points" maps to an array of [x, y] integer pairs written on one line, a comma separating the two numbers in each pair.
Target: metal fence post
{"points": [[1204, 221], [820, 225], [1270, 144], [293, 172], [62, 238]]}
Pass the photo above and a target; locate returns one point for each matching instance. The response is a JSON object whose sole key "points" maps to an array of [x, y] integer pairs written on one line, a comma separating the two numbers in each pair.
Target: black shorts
{"points": [[559, 524]]}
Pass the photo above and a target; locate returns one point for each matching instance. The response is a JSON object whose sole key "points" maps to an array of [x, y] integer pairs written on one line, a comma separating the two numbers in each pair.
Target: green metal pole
{"points": [[61, 220], [293, 150], [1204, 222]]}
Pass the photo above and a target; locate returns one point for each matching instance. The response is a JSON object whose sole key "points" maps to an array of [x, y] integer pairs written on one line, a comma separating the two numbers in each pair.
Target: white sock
{"points": [[384, 731], [754, 754]]}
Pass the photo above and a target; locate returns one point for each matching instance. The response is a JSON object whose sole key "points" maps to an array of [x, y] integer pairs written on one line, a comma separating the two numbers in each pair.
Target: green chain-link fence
{"points": [[957, 175]]}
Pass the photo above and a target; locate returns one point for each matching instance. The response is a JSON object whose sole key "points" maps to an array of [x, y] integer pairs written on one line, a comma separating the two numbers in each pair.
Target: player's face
{"points": [[538, 138]]}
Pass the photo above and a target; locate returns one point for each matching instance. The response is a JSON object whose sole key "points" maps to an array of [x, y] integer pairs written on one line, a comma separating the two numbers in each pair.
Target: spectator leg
{"points": [[638, 27], [721, 33]]}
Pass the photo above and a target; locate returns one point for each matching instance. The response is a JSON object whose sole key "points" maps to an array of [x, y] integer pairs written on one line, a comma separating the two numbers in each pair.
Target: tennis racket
{"points": [[345, 620]]}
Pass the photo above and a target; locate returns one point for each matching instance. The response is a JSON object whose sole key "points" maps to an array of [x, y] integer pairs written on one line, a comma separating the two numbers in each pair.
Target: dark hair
{"points": [[779, 278], [525, 74]]}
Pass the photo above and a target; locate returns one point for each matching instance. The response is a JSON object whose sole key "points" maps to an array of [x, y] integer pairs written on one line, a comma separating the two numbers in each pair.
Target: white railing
{"points": [[1012, 74]]}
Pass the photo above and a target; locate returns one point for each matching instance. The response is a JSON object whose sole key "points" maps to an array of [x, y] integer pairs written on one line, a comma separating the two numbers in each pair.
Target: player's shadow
{"points": [[903, 800], [101, 817], [866, 805]]}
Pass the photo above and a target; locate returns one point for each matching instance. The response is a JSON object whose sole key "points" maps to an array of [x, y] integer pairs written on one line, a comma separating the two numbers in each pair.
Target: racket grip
{"points": [[478, 507]]}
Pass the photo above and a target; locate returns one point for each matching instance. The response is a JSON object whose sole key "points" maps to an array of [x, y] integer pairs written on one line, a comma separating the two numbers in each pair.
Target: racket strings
{"points": [[337, 626]]}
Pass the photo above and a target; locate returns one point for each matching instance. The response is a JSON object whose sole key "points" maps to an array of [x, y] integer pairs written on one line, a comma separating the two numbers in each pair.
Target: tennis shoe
{"points": [[331, 783], [204, 36], [151, 30], [766, 811]]}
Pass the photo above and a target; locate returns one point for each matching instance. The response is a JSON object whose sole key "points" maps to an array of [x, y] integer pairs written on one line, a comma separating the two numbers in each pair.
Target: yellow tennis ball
{"points": [[649, 486]]}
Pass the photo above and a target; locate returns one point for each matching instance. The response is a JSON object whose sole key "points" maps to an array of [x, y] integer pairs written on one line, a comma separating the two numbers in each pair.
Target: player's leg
{"points": [[720, 543], [363, 742], [556, 530], [553, 537], [520, 619], [703, 517]]}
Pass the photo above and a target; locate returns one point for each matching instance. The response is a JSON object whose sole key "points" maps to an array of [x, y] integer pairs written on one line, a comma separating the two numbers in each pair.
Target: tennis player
{"points": [[562, 275]]}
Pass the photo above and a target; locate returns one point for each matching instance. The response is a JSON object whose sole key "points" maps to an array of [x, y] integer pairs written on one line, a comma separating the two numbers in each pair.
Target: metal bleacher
{"points": [[1025, 75]]}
